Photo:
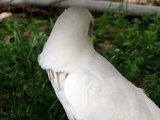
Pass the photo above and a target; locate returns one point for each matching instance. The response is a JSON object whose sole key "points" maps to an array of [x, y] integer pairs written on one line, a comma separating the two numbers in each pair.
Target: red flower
{"points": [[26, 36]]}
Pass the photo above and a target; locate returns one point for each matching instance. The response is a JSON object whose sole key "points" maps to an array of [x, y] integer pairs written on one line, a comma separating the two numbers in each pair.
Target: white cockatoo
{"points": [[88, 86]]}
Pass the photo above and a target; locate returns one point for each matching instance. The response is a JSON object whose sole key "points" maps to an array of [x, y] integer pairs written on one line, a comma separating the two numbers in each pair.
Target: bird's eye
{"points": [[90, 30]]}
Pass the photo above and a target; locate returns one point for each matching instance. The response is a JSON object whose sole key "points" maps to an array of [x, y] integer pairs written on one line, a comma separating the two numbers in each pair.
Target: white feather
{"points": [[93, 89]]}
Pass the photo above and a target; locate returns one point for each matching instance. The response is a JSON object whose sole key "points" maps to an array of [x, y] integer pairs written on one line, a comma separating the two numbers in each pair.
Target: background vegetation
{"points": [[131, 44]]}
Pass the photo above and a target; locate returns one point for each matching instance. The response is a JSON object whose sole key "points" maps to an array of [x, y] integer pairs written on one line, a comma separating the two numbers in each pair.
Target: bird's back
{"points": [[100, 92]]}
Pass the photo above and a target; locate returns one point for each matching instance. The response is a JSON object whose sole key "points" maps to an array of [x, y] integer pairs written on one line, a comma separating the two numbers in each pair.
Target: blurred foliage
{"points": [[25, 91]]}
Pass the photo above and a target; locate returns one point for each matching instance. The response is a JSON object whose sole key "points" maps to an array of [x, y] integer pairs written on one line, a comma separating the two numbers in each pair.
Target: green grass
{"points": [[25, 91]]}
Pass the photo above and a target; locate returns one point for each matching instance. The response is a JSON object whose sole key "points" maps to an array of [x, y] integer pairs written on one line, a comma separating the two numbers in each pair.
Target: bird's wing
{"points": [[93, 98], [82, 91], [57, 80]]}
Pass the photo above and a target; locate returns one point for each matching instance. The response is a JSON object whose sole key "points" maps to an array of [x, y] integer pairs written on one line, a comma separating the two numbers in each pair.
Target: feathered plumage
{"points": [[87, 85]]}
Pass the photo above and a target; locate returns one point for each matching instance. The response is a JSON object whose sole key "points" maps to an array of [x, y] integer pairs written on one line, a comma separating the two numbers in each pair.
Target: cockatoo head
{"points": [[75, 21], [71, 34], [74, 25]]}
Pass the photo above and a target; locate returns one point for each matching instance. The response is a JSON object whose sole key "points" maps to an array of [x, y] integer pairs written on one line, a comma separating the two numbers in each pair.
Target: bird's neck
{"points": [[71, 60], [68, 54]]}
